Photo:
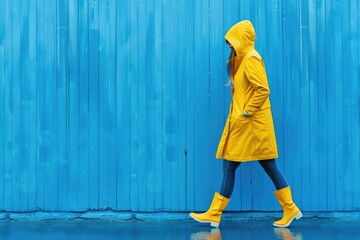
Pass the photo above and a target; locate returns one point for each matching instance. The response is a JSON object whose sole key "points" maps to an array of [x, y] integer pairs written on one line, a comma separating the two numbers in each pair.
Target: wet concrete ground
{"points": [[318, 229]]}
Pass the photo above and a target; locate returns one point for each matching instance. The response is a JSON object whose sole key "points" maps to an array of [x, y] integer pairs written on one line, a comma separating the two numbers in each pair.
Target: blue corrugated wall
{"points": [[121, 104]]}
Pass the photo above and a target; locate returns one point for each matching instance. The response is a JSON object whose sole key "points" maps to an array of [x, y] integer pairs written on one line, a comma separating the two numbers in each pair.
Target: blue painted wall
{"points": [[121, 104]]}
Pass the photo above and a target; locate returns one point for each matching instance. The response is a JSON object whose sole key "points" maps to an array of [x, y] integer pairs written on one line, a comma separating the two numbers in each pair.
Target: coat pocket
{"points": [[261, 130]]}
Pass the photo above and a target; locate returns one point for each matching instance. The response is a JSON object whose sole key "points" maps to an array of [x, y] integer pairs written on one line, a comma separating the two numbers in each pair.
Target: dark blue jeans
{"points": [[229, 169]]}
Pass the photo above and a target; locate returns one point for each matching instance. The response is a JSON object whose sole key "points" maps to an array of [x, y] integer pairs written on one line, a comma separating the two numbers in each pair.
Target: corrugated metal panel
{"points": [[120, 104]]}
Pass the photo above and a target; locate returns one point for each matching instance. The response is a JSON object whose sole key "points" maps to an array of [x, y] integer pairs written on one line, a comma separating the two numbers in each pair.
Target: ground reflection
{"points": [[249, 229], [214, 234], [286, 234]]}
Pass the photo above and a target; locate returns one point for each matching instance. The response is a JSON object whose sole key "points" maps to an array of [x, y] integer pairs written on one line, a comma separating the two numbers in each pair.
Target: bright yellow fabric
{"points": [[253, 137]]}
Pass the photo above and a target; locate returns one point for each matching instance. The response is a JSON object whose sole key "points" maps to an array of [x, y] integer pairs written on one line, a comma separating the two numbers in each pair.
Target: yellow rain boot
{"points": [[290, 209], [213, 215]]}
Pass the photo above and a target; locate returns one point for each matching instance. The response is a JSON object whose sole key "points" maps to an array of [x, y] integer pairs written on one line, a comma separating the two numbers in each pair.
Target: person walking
{"points": [[248, 134]]}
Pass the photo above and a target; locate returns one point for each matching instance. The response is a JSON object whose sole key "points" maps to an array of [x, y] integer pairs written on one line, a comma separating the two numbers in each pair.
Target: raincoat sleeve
{"points": [[256, 74]]}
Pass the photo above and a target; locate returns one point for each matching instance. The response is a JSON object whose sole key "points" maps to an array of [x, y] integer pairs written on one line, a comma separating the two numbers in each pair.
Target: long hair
{"points": [[230, 67]]}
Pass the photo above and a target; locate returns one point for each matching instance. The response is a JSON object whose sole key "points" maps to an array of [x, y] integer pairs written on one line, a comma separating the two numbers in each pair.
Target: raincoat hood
{"points": [[242, 37]]}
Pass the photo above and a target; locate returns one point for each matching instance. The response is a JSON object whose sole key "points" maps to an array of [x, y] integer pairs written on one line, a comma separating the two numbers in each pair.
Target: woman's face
{"points": [[229, 44]]}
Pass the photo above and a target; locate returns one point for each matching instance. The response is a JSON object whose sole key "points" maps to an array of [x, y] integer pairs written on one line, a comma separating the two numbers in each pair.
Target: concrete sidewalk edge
{"points": [[111, 215]]}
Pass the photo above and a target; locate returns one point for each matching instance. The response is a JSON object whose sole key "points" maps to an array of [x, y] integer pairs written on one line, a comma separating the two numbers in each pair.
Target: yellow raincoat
{"points": [[253, 137]]}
